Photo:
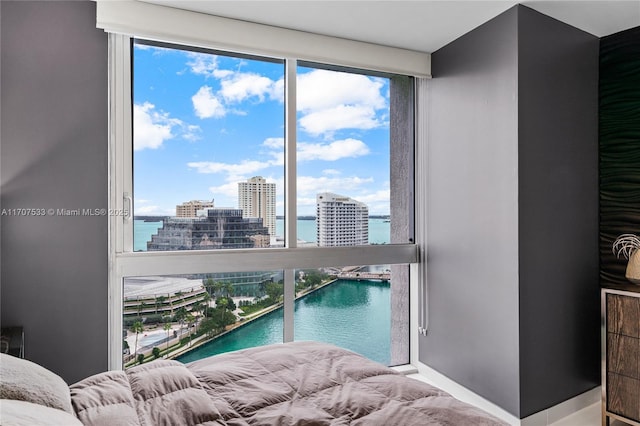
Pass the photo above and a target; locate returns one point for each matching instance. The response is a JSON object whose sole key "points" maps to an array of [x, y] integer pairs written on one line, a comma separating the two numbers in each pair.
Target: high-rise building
{"points": [[222, 228], [190, 208], [213, 229], [341, 221], [257, 198]]}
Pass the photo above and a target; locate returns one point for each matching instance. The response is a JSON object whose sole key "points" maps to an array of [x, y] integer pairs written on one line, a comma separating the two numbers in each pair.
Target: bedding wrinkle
{"points": [[290, 384]]}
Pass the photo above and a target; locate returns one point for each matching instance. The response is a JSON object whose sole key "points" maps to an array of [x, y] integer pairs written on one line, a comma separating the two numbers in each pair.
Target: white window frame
{"points": [[124, 262]]}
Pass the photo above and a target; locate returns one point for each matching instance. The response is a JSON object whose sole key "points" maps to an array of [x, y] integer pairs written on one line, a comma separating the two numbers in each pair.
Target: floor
{"points": [[589, 416]]}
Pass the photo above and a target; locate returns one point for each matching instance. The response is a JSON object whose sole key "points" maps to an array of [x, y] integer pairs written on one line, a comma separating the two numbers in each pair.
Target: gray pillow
{"points": [[22, 413], [26, 381]]}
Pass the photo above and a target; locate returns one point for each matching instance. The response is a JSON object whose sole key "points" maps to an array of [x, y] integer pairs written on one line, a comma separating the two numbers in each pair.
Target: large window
{"points": [[270, 198]]}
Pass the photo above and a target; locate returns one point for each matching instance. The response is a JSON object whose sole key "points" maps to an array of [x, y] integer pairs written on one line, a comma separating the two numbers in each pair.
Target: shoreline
{"points": [[200, 341]]}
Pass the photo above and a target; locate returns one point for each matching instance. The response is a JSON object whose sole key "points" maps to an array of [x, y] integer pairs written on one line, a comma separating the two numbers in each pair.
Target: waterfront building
{"points": [[212, 229], [341, 221], [190, 208], [257, 199], [144, 296], [222, 228]]}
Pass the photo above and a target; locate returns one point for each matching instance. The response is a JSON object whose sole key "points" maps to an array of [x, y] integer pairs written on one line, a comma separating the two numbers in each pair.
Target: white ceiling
{"points": [[422, 25]]}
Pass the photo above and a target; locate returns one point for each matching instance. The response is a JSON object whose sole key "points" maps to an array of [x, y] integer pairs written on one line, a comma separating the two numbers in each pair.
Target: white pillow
{"points": [[22, 413], [27, 381]]}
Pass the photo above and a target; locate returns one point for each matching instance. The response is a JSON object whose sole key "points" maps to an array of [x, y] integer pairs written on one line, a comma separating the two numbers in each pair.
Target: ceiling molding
{"points": [[419, 25]]}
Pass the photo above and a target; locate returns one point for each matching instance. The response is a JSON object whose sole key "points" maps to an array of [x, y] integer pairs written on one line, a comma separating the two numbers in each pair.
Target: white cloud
{"points": [[245, 167], [347, 148], [207, 65], [146, 209], [192, 133], [340, 117], [310, 185], [307, 151], [378, 197], [274, 143], [229, 190], [235, 87], [153, 211], [242, 86], [331, 101], [277, 91], [322, 89], [206, 104], [331, 172], [150, 127]]}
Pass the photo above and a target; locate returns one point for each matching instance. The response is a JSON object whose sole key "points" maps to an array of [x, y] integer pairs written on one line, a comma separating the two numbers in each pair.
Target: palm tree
{"points": [[180, 316], [196, 309], [137, 328], [190, 320], [229, 289], [167, 328], [217, 286], [222, 303], [209, 284], [205, 303]]}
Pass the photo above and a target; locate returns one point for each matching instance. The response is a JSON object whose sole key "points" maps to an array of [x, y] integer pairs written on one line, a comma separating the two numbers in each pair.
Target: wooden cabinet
{"points": [[621, 354]]}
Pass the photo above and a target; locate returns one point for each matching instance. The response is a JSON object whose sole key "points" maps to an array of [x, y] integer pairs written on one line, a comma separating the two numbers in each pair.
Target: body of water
{"points": [[379, 231], [355, 315], [142, 232]]}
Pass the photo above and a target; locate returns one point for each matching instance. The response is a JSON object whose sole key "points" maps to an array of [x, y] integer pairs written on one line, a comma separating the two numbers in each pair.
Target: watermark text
{"points": [[36, 212]]}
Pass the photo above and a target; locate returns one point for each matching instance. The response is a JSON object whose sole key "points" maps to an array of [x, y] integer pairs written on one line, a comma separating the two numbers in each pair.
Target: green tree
{"points": [[210, 285], [140, 358], [155, 351], [313, 277], [209, 326], [137, 328], [167, 327], [228, 288], [274, 291], [180, 316], [190, 320], [205, 303], [222, 303]]}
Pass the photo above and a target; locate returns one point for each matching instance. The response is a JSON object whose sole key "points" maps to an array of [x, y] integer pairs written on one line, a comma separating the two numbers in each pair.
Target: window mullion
{"points": [[289, 300], [120, 161], [291, 232]]}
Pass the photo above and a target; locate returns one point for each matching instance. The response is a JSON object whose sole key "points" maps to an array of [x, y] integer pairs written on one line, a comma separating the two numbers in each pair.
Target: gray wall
{"points": [[558, 215], [472, 217], [54, 155], [512, 216]]}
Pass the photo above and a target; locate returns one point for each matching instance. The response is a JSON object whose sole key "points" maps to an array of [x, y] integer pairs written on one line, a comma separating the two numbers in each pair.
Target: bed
{"points": [[298, 383]]}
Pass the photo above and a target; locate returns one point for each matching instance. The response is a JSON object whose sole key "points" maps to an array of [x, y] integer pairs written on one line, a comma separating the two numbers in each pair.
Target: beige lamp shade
{"points": [[633, 267]]}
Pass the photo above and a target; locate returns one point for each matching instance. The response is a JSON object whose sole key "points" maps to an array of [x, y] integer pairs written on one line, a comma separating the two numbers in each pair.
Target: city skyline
{"points": [[203, 123]]}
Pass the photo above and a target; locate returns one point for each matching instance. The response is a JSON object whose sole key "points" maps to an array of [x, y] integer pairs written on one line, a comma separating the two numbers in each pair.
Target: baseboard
{"points": [[564, 409], [542, 418], [431, 376]]}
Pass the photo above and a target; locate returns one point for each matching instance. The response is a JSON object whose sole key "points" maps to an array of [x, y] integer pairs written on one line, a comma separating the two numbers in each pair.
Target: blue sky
{"points": [[203, 123]]}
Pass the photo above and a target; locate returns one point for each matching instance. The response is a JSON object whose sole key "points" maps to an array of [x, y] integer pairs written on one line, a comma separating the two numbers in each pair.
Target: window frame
{"points": [[125, 262]]}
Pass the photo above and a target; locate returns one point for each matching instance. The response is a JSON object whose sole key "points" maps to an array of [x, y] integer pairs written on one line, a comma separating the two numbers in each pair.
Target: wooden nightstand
{"points": [[621, 354]]}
